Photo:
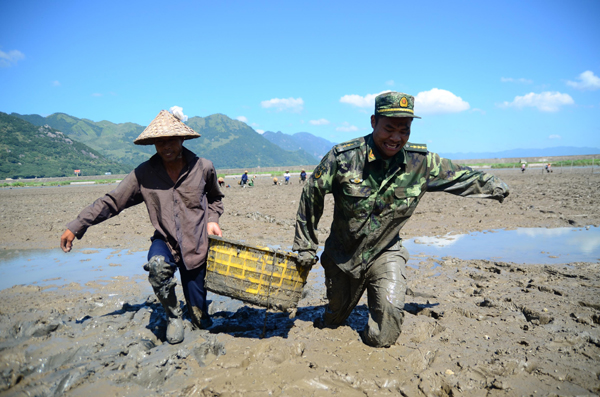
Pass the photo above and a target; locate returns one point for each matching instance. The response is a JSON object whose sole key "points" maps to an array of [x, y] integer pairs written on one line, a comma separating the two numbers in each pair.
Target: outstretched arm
{"points": [[445, 176], [124, 196]]}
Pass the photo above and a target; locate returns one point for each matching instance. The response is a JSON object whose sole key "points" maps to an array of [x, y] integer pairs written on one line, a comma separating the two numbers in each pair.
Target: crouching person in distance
{"points": [[182, 195]]}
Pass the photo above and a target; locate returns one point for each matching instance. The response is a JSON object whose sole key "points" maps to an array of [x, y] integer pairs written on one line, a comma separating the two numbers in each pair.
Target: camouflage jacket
{"points": [[374, 198]]}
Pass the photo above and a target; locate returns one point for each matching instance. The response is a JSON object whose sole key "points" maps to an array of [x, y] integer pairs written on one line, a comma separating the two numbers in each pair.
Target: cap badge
{"points": [[403, 102]]}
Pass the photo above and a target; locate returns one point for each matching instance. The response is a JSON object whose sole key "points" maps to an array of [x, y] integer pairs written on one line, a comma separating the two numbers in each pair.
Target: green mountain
{"points": [[233, 144], [28, 151], [227, 143], [114, 141]]}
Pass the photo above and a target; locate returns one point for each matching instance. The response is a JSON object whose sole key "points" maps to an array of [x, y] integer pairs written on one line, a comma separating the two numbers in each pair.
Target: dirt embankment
{"points": [[471, 327]]}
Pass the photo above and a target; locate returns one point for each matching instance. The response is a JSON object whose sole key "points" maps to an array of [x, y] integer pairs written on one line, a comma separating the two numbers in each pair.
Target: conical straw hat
{"points": [[165, 125]]}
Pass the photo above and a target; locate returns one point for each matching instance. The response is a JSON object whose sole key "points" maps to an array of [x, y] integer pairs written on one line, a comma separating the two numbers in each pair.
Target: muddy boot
{"points": [[163, 283], [200, 319]]}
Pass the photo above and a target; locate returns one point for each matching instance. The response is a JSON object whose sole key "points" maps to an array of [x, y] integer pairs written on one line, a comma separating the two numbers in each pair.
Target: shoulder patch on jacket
{"points": [[416, 147], [343, 147]]}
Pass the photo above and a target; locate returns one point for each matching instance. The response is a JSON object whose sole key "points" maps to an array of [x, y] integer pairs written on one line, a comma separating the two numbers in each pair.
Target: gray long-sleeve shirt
{"points": [[179, 211]]}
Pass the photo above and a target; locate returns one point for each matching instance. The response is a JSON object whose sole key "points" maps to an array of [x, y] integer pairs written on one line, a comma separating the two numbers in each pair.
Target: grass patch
{"points": [[22, 183]]}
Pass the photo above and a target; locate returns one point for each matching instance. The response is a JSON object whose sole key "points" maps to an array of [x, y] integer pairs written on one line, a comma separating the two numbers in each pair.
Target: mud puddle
{"points": [[522, 245], [54, 267]]}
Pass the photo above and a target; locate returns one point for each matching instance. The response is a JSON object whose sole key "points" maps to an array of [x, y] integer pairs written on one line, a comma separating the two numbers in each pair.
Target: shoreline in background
{"points": [[507, 163]]}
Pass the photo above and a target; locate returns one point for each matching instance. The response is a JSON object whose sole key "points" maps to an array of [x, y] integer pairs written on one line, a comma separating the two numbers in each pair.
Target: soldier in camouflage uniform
{"points": [[377, 182]]}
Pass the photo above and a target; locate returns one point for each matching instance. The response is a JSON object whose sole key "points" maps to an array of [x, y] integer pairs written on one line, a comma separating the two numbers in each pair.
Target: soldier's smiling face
{"points": [[390, 134]]}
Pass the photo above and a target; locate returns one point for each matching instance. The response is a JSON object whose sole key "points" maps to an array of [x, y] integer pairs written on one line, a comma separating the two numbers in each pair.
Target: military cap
{"points": [[395, 104]]}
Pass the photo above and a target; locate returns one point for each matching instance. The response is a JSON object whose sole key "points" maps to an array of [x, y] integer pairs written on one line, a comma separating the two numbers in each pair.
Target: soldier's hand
{"points": [[499, 194], [307, 259], [66, 240]]}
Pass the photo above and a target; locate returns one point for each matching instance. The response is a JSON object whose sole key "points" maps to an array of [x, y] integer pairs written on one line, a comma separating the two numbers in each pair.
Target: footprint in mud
{"points": [[208, 351]]}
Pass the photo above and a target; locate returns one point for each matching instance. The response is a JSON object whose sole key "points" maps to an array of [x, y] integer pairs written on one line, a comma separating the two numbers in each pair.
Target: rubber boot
{"points": [[200, 319], [163, 283]]}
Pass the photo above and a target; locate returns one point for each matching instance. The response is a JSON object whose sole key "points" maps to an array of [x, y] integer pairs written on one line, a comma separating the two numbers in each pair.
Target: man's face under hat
{"points": [[392, 121]]}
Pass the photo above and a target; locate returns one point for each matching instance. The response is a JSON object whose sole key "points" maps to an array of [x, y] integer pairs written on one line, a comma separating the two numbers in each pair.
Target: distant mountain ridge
{"points": [[226, 142], [518, 153], [28, 151], [314, 145]]}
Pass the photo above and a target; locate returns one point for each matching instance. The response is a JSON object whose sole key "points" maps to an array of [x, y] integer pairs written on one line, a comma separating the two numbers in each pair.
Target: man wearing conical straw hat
{"points": [[183, 199]]}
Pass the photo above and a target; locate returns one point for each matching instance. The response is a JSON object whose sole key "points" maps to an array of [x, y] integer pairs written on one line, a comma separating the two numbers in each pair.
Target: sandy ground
{"points": [[471, 328]]}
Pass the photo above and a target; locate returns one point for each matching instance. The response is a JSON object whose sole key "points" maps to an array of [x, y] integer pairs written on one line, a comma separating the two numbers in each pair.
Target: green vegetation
{"points": [[577, 163], [33, 183], [27, 151], [565, 163], [227, 143], [270, 173]]}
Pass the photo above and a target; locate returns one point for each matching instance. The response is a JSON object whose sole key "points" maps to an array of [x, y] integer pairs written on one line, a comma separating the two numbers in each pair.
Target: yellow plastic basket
{"points": [[258, 275]]}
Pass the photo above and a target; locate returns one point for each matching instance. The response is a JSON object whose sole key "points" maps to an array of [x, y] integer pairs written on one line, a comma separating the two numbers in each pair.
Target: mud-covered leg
{"points": [[163, 283], [343, 294], [386, 288]]}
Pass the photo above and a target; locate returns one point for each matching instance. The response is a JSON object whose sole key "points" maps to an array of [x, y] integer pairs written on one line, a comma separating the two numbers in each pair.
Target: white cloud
{"points": [[347, 127], [389, 82], [10, 58], [292, 104], [546, 101], [255, 124], [587, 81], [367, 101], [319, 122], [511, 80], [437, 101], [242, 119], [554, 136], [260, 131], [426, 102], [56, 83], [474, 110], [96, 94]]}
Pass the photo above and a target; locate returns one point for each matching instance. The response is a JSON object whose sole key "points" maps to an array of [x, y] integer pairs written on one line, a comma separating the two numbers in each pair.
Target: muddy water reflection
{"points": [[54, 267], [524, 245]]}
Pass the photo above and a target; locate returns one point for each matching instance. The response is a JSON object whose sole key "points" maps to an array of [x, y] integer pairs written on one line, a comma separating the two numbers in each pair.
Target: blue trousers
{"points": [[192, 281]]}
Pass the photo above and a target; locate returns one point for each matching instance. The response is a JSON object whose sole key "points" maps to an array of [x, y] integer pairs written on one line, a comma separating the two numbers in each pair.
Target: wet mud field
{"points": [[475, 327]]}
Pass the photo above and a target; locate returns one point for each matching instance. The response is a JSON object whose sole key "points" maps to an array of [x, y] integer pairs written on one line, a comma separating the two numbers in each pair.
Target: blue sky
{"points": [[487, 76]]}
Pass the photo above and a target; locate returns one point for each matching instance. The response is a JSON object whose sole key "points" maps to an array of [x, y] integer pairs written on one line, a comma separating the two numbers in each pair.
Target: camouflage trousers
{"points": [[385, 282]]}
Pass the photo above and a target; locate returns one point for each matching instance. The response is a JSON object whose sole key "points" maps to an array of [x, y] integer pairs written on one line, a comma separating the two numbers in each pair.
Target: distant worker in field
{"points": [[184, 203], [302, 176], [221, 181], [274, 180], [244, 180], [522, 168], [377, 181], [286, 176], [548, 168]]}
